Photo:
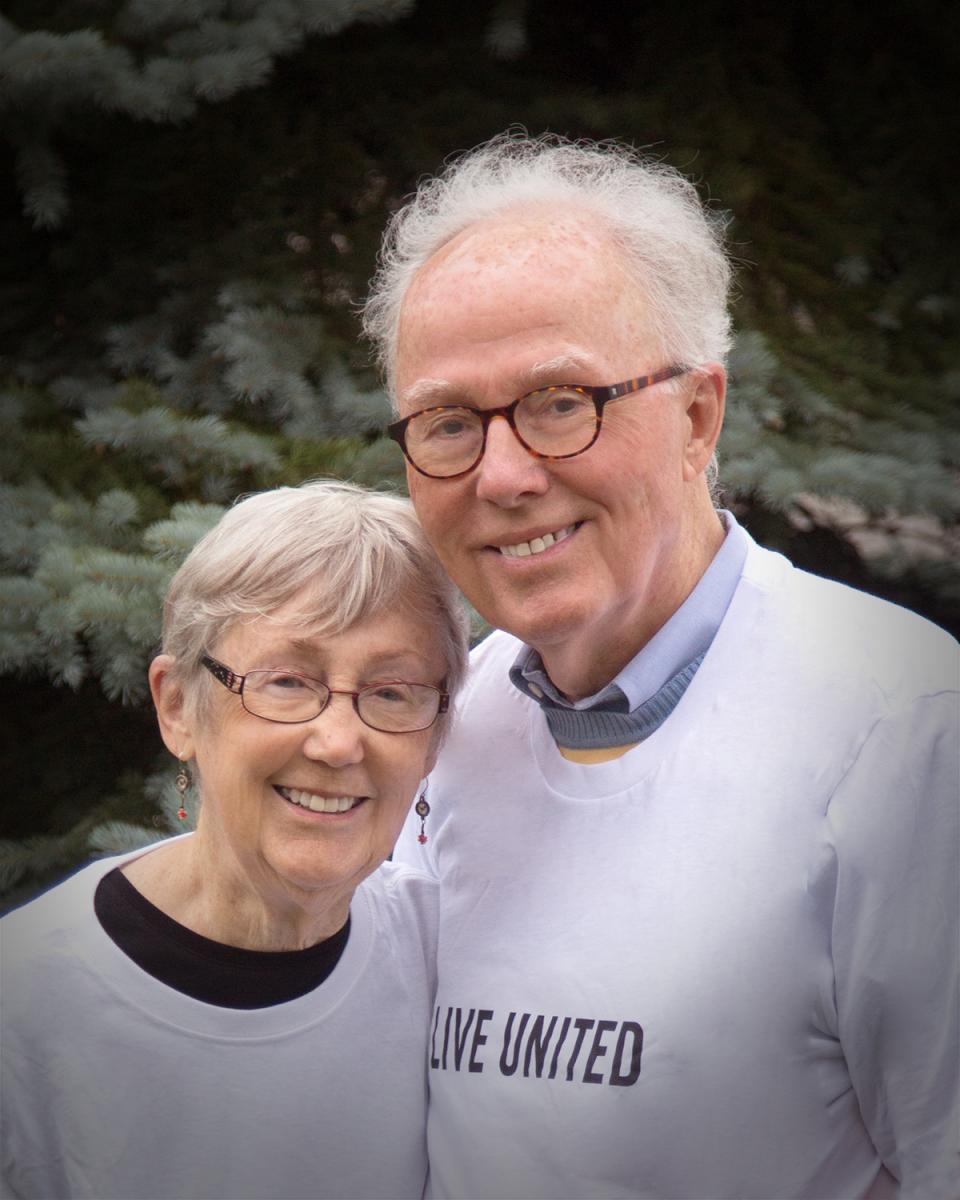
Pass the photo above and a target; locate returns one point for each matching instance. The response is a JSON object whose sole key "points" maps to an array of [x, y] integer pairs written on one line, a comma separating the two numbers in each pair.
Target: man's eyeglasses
{"points": [[393, 706], [552, 422]]}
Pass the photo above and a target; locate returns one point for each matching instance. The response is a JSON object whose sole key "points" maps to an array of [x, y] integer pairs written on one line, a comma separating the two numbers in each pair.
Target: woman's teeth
{"points": [[327, 804], [537, 544]]}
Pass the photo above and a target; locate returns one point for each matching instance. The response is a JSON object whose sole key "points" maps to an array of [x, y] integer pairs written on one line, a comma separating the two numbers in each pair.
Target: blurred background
{"points": [[191, 196]]}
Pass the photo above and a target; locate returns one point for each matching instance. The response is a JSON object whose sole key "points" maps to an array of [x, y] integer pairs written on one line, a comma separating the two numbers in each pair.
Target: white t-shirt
{"points": [[724, 964], [116, 1086]]}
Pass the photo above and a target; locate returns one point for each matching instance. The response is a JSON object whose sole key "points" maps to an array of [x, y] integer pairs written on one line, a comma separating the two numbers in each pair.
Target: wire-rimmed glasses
{"points": [[288, 698], [561, 421]]}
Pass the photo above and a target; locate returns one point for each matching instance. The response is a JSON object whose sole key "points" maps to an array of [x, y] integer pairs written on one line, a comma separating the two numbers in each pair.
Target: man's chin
{"points": [[543, 627]]}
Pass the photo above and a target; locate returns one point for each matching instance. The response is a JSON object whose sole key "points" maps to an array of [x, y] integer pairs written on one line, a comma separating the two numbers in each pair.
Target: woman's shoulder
{"points": [[50, 922], [60, 902], [44, 952]]}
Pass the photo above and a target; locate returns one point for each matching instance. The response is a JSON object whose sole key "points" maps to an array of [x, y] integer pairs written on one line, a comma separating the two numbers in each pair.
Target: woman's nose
{"points": [[336, 736]]}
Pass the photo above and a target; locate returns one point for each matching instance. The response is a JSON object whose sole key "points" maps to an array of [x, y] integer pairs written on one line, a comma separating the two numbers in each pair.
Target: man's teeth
{"points": [[327, 804], [523, 549]]}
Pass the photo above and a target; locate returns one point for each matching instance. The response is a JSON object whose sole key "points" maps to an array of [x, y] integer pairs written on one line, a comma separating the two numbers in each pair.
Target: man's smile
{"points": [[538, 543]]}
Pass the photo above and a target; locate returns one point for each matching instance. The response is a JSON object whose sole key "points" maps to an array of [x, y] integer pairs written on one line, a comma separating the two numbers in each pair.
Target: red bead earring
{"points": [[422, 809], [182, 783]]}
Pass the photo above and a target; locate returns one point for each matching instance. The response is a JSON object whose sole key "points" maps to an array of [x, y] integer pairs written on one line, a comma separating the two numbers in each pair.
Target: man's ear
{"points": [[176, 728], [705, 407]]}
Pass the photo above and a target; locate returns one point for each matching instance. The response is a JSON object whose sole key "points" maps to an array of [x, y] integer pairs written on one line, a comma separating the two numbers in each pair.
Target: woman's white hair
{"points": [[343, 552], [672, 244]]}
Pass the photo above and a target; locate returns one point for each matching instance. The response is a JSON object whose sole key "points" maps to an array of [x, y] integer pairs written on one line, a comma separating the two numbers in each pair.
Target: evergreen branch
{"points": [[42, 178], [36, 857], [48, 76], [21, 651], [120, 837], [173, 442], [116, 508], [175, 537]]}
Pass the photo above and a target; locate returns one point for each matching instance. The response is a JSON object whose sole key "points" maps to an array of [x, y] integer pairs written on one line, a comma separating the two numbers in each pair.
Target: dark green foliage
{"points": [[188, 222]]}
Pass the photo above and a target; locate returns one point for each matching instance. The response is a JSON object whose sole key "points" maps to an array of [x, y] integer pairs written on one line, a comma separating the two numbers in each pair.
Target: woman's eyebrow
{"points": [[388, 657], [289, 648], [400, 660]]}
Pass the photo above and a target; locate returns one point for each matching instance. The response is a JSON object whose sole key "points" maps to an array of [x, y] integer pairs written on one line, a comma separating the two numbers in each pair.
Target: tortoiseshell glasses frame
{"points": [[454, 452]]}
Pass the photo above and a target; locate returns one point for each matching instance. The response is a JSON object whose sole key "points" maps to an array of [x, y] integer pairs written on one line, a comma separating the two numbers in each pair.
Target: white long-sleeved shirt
{"points": [[725, 963], [117, 1087]]}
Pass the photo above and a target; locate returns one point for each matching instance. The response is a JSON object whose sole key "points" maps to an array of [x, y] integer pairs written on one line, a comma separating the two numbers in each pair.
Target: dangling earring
{"points": [[182, 783], [422, 809]]}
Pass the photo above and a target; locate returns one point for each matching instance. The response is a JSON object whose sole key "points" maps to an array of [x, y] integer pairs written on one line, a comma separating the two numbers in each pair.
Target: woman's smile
{"points": [[315, 802]]}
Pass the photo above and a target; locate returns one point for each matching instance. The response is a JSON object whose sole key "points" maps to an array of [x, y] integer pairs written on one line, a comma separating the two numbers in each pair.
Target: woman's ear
{"points": [[705, 407], [176, 727]]}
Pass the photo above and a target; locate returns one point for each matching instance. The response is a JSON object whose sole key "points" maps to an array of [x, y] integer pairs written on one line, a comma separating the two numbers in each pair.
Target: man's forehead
{"points": [[514, 304], [504, 241]]}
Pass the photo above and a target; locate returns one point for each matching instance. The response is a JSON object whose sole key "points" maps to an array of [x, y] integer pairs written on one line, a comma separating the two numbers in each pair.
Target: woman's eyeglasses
{"points": [[288, 698]]}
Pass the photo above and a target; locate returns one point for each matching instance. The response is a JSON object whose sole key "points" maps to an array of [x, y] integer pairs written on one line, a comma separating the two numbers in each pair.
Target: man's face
{"points": [[529, 301]]}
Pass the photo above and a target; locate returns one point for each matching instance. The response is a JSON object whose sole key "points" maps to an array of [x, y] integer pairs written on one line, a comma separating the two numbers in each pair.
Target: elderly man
{"points": [[696, 825]]}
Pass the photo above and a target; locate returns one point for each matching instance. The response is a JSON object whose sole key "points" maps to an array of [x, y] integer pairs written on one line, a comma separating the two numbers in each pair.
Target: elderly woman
{"points": [[242, 1011]]}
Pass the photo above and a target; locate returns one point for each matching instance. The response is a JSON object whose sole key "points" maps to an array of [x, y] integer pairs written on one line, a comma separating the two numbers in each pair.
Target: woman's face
{"points": [[255, 775]]}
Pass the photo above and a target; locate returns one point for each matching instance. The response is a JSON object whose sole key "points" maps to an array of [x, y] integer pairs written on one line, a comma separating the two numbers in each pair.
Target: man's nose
{"points": [[509, 473]]}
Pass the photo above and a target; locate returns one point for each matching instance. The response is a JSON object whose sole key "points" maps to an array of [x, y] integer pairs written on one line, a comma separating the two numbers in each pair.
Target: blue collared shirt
{"points": [[669, 658]]}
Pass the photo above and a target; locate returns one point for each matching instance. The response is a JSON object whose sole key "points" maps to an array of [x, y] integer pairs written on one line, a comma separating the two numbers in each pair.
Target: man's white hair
{"points": [[671, 242]]}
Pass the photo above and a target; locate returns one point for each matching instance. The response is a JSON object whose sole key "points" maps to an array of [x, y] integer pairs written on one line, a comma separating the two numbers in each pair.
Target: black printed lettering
{"points": [[434, 1061], [537, 1039], [446, 1036], [597, 1051], [507, 1067], [460, 1040], [556, 1054], [581, 1025], [619, 1077], [479, 1039], [537, 1045]]}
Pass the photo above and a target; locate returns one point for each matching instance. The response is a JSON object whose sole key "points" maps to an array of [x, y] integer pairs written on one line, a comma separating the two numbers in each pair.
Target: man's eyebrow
{"points": [[551, 369], [427, 392]]}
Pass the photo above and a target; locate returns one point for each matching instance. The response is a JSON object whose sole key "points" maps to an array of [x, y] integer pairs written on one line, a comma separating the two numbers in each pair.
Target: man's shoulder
{"points": [[488, 705], [399, 884], [496, 644], [851, 633], [491, 660]]}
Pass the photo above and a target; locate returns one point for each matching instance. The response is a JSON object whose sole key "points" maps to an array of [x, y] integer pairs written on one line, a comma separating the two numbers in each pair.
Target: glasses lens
{"points": [[557, 421], [281, 696], [399, 707], [445, 441]]}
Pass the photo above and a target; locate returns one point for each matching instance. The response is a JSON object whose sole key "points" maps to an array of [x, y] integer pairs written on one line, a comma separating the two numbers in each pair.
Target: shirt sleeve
{"points": [[896, 835]]}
